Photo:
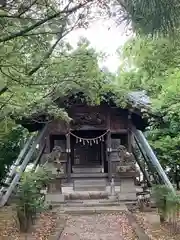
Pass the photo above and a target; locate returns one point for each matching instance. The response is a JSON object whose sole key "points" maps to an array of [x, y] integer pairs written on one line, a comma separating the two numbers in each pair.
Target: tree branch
{"points": [[37, 24], [6, 102], [48, 54], [27, 8], [3, 90]]}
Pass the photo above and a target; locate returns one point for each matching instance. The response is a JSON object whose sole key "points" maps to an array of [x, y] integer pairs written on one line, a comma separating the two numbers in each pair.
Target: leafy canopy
{"points": [[153, 64]]}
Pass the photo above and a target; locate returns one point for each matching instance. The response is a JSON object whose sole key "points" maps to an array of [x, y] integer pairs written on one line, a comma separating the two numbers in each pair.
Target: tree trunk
{"points": [[24, 220]]}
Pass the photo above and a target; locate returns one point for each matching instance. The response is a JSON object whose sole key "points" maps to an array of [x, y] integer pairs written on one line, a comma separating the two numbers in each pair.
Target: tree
{"points": [[150, 17], [153, 65], [31, 32], [70, 71]]}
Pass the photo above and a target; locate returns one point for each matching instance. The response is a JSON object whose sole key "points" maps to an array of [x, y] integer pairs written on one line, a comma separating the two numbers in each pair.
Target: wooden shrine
{"points": [[96, 142]]}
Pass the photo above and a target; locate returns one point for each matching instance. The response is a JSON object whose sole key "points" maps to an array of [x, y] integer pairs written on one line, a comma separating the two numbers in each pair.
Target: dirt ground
{"points": [[98, 227], [151, 225]]}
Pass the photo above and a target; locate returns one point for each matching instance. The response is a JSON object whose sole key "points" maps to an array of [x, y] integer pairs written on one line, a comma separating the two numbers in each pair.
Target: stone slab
{"points": [[95, 209], [127, 197], [54, 198], [90, 185], [97, 169], [128, 186]]}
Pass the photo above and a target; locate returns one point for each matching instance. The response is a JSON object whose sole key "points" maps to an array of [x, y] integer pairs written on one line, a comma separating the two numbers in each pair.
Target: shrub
{"points": [[167, 202], [30, 200]]}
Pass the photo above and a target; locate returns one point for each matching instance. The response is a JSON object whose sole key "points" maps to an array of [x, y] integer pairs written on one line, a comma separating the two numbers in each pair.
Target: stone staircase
{"points": [[88, 196], [90, 185]]}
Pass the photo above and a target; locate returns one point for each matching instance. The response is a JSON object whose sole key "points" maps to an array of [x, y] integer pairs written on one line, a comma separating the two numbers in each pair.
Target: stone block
{"points": [[127, 197], [90, 185], [112, 197], [153, 218], [54, 198], [128, 186]]}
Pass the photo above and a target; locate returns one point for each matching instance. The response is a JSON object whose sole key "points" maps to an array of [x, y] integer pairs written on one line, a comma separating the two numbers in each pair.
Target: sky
{"points": [[104, 36]]}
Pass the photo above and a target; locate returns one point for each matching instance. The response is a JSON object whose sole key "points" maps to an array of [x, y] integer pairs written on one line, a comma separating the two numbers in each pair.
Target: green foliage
{"points": [[29, 197], [11, 137], [167, 202], [36, 62], [151, 17], [151, 64], [28, 191], [35, 59], [69, 72]]}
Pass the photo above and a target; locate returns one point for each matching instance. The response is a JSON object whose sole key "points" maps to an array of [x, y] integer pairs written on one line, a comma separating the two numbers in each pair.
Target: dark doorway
{"points": [[90, 156]]}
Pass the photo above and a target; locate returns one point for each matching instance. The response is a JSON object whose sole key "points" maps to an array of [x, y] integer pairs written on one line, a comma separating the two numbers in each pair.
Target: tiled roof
{"points": [[139, 98]]}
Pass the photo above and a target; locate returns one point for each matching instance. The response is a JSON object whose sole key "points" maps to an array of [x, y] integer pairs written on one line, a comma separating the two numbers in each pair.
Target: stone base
{"points": [[127, 185], [112, 198], [127, 197], [54, 198], [128, 190]]}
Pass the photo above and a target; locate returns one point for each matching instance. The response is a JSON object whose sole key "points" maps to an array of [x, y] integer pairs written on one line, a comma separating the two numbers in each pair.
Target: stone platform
{"points": [[94, 189]]}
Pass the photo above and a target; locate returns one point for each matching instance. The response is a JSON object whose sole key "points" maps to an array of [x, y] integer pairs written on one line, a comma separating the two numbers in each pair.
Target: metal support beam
{"points": [[22, 167], [144, 172], [152, 157], [17, 162], [147, 161], [37, 160]]}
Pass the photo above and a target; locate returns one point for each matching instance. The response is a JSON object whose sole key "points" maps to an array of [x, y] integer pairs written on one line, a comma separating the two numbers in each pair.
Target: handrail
{"points": [[152, 157], [22, 167]]}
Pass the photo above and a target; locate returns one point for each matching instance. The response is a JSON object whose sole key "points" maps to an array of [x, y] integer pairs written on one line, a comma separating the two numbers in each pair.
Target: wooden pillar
{"points": [[109, 149], [109, 155], [102, 156], [129, 133], [68, 151]]}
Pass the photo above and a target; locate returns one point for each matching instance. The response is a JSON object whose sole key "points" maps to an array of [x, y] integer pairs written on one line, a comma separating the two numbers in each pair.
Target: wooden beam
{"points": [[108, 147], [68, 151], [120, 131], [109, 155], [129, 133]]}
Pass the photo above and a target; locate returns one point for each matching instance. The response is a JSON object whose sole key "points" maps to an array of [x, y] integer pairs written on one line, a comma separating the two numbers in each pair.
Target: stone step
{"points": [[86, 195], [89, 175], [90, 181], [90, 185], [92, 209], [90, 203], [86, 169], [127, 196]]}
